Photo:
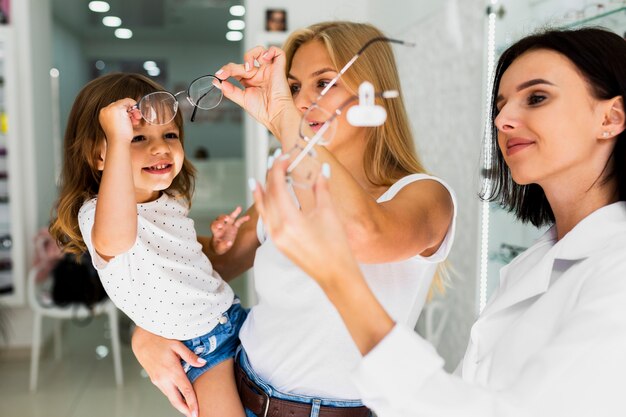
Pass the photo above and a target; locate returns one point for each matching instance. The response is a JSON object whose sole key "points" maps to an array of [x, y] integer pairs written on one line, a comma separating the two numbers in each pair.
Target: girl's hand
{"points": [[117, 120], [225, 229], [266, 95], [310, 240], [161, 358]]}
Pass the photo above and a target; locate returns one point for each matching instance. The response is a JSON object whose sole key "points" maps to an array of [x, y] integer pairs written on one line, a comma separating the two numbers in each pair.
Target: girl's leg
{"points": [[217, 392]]}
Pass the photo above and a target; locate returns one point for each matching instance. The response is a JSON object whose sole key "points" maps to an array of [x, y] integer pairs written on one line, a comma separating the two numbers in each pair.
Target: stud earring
{"points": [[606, 134]]}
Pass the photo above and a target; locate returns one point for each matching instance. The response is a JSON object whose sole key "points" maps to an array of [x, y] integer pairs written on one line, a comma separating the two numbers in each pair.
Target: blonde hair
{"points": [[390, 152], [80, 177]]}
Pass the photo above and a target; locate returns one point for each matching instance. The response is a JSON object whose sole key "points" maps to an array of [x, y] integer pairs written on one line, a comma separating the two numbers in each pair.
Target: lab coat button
{"points": [[223, 320]]}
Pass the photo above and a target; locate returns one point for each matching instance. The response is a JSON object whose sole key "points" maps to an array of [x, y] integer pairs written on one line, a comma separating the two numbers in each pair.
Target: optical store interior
{"points": [[57, 361]]}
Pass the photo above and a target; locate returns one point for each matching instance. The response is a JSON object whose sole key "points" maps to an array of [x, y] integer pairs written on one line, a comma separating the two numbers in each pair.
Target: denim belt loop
{"points": [[315, 407]]}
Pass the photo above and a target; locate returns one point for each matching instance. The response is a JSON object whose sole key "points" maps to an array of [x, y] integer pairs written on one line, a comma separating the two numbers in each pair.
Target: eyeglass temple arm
{"points": [[195, 107], [354, 58]]}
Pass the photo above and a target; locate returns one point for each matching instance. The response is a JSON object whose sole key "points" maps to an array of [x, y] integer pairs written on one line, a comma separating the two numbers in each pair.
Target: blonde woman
{"points": [[296, 354]]}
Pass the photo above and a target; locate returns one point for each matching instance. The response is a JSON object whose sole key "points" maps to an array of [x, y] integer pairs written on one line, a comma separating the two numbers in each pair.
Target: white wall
{"points": [[442, 86]]}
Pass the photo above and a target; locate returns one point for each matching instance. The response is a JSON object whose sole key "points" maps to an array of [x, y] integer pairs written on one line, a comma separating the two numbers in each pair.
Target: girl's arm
{"points": [[115, 226], [415, 221], [240, 257]]}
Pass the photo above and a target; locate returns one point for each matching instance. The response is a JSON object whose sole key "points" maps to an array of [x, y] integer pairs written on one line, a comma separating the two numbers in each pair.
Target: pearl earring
{"points": [[606, 134]]}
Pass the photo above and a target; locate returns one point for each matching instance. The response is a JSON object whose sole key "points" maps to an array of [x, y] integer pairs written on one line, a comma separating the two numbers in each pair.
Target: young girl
{"points": [[126, 191]]}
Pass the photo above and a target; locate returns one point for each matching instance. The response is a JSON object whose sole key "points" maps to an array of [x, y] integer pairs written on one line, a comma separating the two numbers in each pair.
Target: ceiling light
{"points": [[237, 10], [236, 24], [100, 65], [153, 72], [123, 33], [234, 36], [111, 21], [149, 64], [99, 6]]}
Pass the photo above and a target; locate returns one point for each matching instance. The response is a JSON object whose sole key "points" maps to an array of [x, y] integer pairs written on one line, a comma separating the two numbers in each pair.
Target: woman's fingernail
{"points": [[326, 170], [247, 66], [194, 414], [265, 55], [217, 84], [270, 161], [219, 72], [202, 360], [277, 152], [251, 184]]}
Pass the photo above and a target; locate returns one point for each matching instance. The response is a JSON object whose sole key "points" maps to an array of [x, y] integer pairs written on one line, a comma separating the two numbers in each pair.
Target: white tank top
{"points": [[294, 337]]}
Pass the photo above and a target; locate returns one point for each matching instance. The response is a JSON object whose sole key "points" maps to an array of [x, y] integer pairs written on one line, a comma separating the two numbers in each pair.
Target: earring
{"points": [[606, 134]]}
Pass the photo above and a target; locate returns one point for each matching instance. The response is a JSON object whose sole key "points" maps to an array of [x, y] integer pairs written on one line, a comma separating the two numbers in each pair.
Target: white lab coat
{"points": [[551, 342]]}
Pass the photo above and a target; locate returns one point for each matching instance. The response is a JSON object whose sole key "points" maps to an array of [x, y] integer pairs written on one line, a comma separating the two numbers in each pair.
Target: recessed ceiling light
{"points": [[149, 64], [100, 64], [123, 33], [54, 73], [111, 21], [99, 6], [237, 10], [234, 36], [153, 72], [236, 24]]}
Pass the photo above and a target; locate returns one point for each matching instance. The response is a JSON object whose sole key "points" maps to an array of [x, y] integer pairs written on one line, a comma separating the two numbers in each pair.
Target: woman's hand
{"points": [[266, 95], [224, 230], [161, 358]]}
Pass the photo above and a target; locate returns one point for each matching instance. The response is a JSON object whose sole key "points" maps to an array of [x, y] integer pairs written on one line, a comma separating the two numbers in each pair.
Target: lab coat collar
{"points": [[592, 233], [582, 241]]}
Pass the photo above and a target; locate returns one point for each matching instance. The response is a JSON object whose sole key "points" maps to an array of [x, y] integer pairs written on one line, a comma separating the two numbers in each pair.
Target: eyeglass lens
{"points": [[308, 167], [158, 108], [319, 121], [203, 94]]}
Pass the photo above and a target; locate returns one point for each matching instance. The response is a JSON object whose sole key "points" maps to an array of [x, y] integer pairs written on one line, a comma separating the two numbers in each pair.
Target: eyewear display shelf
{"points": [[11, 257]]}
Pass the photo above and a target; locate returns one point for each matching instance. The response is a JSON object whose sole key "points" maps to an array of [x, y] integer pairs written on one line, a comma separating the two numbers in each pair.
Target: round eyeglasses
{"points": [[160, 107], [319, 122], [318, 127]]}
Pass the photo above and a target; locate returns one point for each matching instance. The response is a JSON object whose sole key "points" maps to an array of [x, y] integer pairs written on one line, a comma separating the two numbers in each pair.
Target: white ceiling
{"points": [[150, 20]]}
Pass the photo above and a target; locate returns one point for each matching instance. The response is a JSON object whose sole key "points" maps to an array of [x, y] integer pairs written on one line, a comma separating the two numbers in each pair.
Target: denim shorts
{"points": [[219, 344], [242, 361]]}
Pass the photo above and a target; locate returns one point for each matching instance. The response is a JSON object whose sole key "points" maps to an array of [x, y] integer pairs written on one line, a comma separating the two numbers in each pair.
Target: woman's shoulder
{"points": [[416, 181]]}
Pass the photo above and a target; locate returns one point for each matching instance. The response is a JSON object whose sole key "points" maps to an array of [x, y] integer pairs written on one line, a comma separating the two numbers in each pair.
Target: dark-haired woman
{"points": [[552, 340]]}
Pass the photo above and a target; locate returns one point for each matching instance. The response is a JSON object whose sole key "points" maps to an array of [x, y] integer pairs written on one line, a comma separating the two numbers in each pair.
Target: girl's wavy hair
{"points": [[600, 57], [84, 137]]}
